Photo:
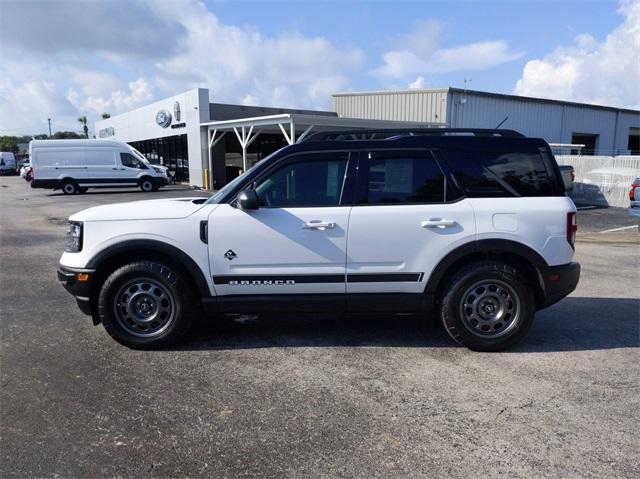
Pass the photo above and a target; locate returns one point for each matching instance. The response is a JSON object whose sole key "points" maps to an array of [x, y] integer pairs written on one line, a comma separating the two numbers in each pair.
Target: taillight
{"points": [[632, 190], [572, 228]]}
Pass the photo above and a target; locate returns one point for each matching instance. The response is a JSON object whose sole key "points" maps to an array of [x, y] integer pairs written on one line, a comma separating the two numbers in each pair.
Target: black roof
{"points": [[393, 133]]}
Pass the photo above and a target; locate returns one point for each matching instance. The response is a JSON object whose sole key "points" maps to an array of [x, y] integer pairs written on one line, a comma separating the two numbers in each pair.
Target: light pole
{"points": [[49, 120]]}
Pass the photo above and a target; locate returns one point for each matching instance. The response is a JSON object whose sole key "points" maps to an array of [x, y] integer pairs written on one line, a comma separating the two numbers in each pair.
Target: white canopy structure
{"points": [[293, 126]]}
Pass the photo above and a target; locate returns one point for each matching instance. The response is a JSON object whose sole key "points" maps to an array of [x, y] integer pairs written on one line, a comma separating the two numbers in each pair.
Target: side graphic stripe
{"points": [[249, 280], [279, 279], [383, 277]]}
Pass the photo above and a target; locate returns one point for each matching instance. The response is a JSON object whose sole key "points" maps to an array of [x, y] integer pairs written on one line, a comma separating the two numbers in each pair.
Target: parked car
{"points": [[7, 163], [73, 166], [477, 229], [634, 199], [24, 168], [568, 176]]}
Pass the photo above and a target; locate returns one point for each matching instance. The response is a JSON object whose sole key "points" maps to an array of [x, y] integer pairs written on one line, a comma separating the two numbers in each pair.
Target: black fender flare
{"points": [[486, 246], [159, 247]]}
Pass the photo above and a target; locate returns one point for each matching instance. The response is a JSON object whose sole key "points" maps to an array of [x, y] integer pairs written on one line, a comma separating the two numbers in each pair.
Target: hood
{"points": [[174, 208]]}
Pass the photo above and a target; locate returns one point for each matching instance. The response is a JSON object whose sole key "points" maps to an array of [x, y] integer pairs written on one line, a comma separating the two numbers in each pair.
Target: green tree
{"points": [[9, 143], [85, 128], [106, 115], [66, 135]]}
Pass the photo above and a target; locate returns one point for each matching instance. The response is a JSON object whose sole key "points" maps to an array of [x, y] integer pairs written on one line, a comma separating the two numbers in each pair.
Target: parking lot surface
{"points": [[387, 396]]}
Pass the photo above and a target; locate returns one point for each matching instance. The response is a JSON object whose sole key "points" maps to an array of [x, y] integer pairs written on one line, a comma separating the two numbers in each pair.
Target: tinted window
{"points": [[502, 173], [402, 180], [310, 181], [131, 161]]}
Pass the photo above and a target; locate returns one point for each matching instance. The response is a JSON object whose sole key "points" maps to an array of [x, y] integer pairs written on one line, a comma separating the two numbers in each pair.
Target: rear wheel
{"points": [[146, 305], [487, 306], [69, 187], [146, 184]]}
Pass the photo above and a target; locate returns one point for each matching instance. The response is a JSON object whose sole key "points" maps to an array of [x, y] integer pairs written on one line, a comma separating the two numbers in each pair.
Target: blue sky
{"points": [[62, 59]]}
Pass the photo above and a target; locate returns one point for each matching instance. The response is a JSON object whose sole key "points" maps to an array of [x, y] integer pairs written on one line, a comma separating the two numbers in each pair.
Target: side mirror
{"points": [[248, 200]]}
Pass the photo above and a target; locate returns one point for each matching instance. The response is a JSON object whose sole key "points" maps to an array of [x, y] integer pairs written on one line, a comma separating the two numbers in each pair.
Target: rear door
{"points": [[295, 243], [59, 163], [406, 217]]}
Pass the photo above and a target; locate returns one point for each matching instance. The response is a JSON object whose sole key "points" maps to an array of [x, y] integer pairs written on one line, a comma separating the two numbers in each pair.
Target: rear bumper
{"points": [[81, 290], [48, 184], [560, 281]]}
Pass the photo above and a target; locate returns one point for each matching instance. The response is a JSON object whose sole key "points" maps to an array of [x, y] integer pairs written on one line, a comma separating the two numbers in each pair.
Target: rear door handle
{"points": [[438, 223], [319, 225]]}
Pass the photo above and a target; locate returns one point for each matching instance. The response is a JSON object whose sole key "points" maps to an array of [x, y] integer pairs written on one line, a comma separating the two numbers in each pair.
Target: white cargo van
{"points": [[73, 166], [7, 163]]}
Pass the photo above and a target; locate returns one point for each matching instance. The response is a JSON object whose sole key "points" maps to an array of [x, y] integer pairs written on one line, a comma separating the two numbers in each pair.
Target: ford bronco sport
{"points": [[473, 225]]}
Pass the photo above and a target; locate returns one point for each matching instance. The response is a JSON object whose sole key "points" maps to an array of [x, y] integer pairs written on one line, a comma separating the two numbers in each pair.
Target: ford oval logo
{"points": [[163, 118]]}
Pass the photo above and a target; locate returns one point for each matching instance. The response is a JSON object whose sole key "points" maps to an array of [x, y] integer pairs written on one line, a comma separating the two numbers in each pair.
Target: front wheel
{"points": [[146, 185], [487, 306], [146, 305]]}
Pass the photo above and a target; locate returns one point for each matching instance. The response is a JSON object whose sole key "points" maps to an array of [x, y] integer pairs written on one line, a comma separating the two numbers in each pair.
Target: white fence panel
{"points": [[602, 180]]}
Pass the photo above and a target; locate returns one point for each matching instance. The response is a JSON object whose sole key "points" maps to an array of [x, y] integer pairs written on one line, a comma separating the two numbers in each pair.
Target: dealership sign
{"points": [[163, 118]]}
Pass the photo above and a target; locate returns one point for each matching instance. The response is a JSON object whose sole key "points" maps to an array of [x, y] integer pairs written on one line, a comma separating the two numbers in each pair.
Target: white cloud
{"points": [[417, 84], [288, 69], [167, 47], [419, 52], [589, 71]]}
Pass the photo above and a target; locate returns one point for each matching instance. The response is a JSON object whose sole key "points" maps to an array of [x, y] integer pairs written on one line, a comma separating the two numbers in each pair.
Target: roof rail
{"points": [[393, 133]]}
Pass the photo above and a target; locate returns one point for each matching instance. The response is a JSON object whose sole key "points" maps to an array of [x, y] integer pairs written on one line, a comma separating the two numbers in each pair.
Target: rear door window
{"points": [[412, 177]]}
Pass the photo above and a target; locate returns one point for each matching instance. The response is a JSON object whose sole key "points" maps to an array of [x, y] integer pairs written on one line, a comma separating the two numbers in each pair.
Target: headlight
{"points": [[162, 171], [74, 237]]}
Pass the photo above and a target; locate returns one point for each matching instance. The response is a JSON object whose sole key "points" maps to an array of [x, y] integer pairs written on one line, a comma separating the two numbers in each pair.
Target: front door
{"points": [[406, 217], [296, 241]]}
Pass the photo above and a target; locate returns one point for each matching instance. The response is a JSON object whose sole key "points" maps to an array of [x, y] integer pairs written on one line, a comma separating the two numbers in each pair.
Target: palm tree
{"points": [[106, 115], [83, 122]]}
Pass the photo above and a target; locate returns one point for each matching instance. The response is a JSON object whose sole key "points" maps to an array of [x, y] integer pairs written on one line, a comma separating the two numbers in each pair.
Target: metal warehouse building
{"points": [[602, 129]]}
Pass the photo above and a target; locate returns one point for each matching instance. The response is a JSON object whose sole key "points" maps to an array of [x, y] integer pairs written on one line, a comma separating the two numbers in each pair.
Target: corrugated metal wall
{"points": [[553, 121], [419, 105]]}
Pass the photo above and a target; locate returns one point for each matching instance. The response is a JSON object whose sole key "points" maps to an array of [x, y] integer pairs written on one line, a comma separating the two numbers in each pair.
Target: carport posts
{"points": [[245, 140]]}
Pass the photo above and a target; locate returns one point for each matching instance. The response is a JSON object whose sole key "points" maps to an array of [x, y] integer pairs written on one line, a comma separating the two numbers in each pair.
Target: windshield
{"points": [[222, 192], [139, 155]]}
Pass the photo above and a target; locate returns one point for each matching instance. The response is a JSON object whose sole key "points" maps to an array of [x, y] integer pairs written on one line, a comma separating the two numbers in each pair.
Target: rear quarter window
{"points": [[502, 173]]}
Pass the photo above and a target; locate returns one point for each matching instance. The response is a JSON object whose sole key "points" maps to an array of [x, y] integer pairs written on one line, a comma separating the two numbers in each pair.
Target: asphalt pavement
{"points": [[303, 397]]}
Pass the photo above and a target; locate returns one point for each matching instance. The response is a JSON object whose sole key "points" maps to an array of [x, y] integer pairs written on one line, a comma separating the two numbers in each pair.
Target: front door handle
{"points": [[319, 225], [438, 223]]}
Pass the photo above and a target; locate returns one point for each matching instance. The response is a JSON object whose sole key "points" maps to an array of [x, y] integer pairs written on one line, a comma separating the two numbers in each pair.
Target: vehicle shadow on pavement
{"points": [[574, 324]]}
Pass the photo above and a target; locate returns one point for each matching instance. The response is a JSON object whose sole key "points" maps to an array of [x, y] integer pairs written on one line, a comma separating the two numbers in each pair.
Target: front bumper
{"points": [[78, 282], [160, 180], [560, 281]]}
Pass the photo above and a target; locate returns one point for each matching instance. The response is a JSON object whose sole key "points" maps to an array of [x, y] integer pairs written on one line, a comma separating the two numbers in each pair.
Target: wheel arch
{"points": [[517, 255], [112, 257]]}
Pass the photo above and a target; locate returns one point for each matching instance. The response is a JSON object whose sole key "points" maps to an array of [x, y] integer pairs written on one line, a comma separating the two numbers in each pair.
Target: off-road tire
{"points": [[454, 307], [175, 288]]}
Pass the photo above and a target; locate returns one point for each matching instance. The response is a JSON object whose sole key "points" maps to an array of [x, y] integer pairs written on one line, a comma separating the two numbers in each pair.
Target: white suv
{"points": [[474, 225]]}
